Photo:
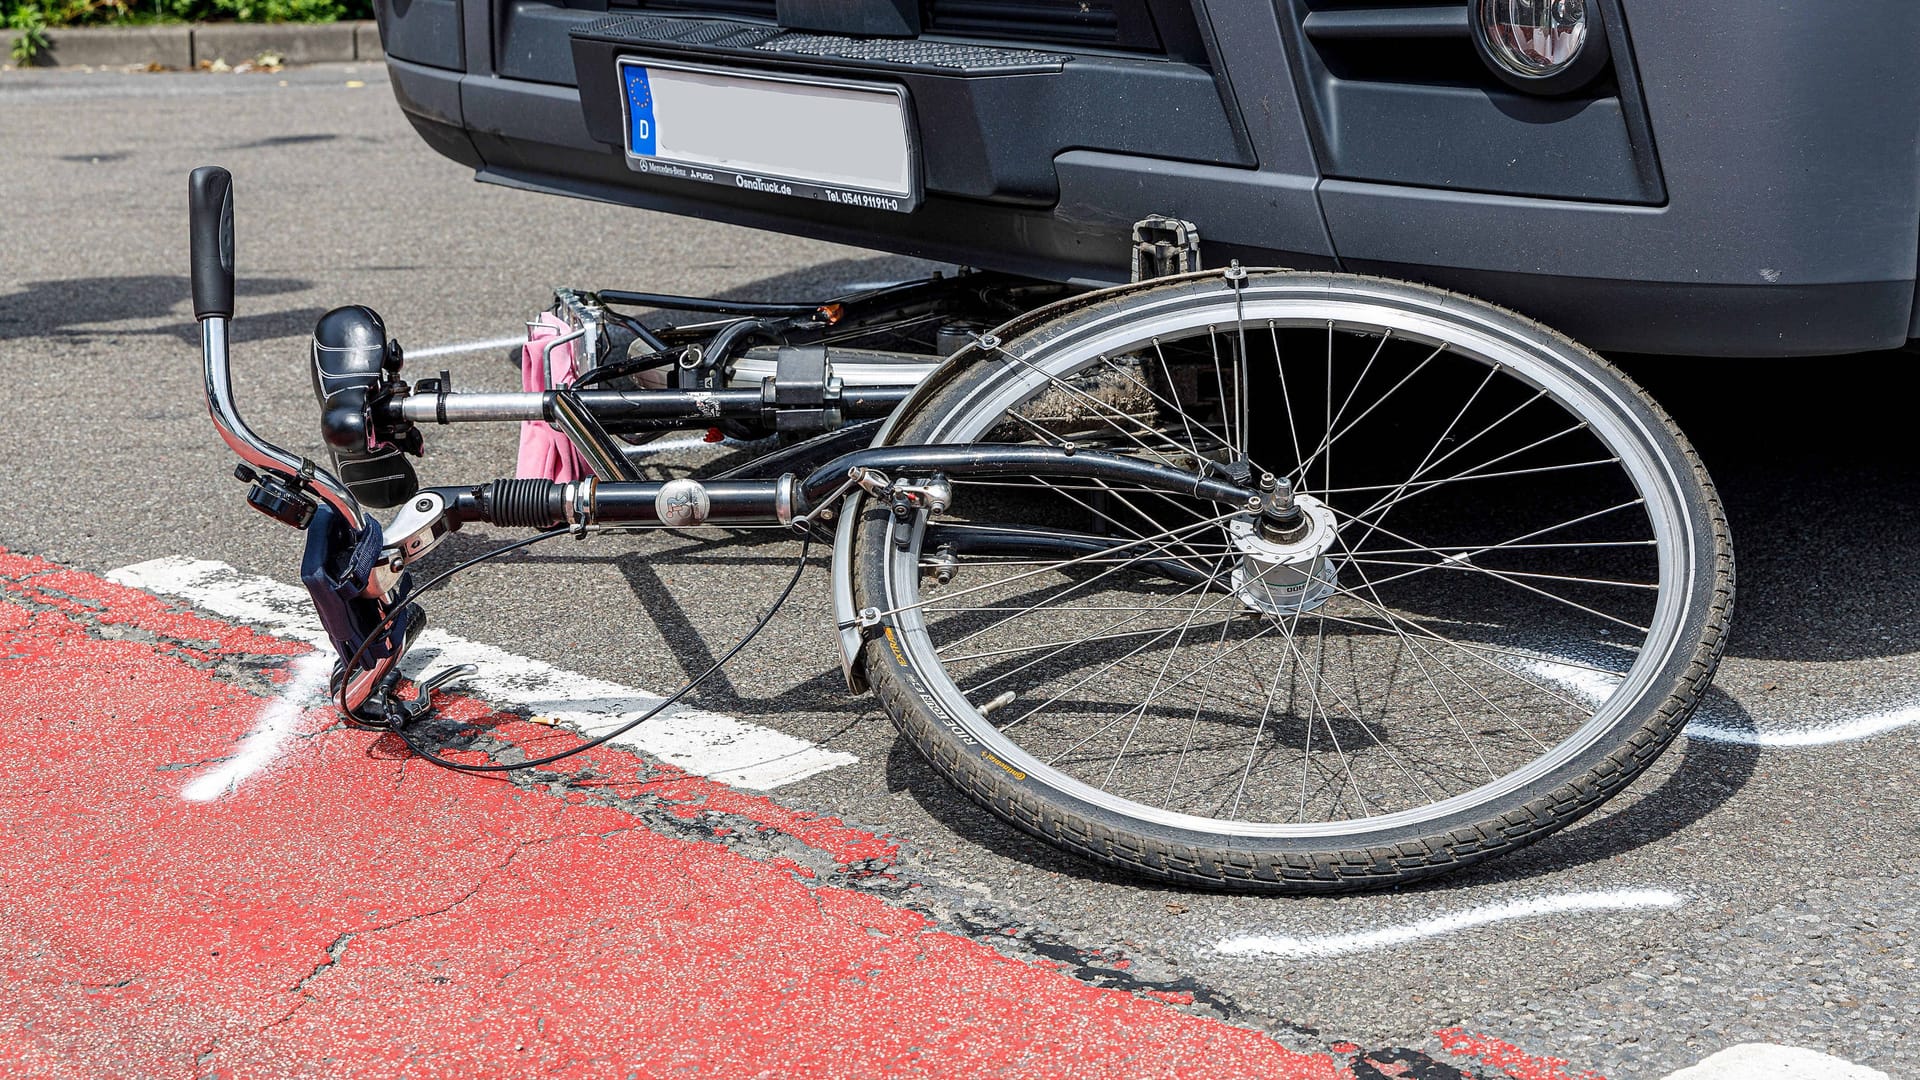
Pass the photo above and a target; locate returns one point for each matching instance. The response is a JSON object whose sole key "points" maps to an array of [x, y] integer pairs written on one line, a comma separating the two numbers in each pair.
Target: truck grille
{"points": [[1110, 24], [1081, 22], [759, 9]]}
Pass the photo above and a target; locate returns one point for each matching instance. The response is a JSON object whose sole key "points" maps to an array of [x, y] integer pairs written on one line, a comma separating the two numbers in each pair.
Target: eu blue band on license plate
{"points": [[640, 128], [849, 143]]}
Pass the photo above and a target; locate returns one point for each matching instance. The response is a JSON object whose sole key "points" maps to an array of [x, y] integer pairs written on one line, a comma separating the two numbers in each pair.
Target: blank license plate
{"points": [[839, 142]]}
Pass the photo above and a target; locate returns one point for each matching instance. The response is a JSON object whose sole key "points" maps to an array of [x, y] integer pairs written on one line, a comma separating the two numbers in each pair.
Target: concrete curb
{"points": [[184, 46]]}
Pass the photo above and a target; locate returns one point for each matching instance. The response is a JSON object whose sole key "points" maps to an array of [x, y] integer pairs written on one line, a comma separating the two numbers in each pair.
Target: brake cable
{"points": [[399, 724]]}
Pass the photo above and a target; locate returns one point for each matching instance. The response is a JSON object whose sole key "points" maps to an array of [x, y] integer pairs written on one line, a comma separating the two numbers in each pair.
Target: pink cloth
{"points": [[544, 451]]}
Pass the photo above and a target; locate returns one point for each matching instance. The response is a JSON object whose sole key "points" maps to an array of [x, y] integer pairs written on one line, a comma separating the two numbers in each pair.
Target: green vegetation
{"points": [[32, 18]]}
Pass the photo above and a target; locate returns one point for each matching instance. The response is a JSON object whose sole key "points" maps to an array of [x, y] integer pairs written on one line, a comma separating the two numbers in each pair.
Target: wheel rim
{"points": [[1185, 707]]}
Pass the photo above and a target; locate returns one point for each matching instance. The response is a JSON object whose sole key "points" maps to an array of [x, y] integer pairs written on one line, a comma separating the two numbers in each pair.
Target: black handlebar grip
{"points": [[210, 209]]}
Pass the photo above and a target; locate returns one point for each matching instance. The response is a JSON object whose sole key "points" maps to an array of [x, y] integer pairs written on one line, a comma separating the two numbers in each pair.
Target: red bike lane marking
{"points": [[1506, 1057], [351, 912]]}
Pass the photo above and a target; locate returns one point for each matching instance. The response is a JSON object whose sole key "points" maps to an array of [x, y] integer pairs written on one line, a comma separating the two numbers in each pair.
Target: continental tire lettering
{"points": [[927, 700], [1010, 770], [958, 731], [932, 705]]}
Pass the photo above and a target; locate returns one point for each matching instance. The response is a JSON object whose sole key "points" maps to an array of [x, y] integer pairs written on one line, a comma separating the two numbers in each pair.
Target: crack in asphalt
{"points": [[338, 950], [949, 907], [254, 673], [334, 952], [94, 988]]}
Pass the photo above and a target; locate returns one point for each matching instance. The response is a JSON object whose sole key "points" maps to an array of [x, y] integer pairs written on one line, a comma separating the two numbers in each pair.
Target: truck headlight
{"points": [[1544, 46]]}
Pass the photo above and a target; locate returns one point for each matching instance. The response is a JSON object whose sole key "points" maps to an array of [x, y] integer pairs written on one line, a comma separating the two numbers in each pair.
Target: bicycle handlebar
{"points": [[210, 208]]}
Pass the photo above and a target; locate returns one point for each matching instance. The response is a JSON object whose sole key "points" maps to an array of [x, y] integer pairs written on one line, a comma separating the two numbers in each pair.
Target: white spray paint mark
{"points": [[467, 347], [721, 747], [1747, 1061], [1328, 945], [1861, 727], [1712, 723], [1594, 687], [278, 720]]}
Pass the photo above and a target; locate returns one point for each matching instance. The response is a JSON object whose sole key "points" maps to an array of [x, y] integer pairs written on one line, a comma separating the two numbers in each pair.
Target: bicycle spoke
{"points": [[1172, 660], [1462, 563], [1332, 437], [1076, 561], [1153, 691]]}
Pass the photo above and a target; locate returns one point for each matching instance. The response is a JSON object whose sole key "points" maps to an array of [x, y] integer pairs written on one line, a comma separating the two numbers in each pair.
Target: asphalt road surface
{"points": [[1756, 886]]}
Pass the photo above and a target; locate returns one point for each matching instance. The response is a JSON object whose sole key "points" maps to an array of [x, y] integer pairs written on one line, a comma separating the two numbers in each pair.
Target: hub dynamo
{"points": [[1284, 572]]}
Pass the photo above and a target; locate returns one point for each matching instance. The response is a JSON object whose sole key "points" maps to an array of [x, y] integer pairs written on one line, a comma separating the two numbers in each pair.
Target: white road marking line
{"points": [[1322, 946], [721, 747], [1710, 724], [279, 719], [467, 347], [1748, 1061]]}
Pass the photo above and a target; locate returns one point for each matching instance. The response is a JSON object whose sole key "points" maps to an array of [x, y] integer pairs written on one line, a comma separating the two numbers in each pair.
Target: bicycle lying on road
{"points": [[1258, 579]]}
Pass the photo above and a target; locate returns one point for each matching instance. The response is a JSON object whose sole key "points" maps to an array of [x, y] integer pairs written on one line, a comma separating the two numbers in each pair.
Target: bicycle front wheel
{"points": [[1511, 586]]}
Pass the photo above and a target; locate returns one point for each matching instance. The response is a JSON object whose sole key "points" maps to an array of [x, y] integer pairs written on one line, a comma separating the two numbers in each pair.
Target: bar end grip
{"points": [[210, 213]]}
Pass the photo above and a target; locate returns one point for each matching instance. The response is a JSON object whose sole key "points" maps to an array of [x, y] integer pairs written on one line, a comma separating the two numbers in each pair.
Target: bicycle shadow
{"points": [[1832, 520], [1707, 775], [663, 608], [88, 307]]}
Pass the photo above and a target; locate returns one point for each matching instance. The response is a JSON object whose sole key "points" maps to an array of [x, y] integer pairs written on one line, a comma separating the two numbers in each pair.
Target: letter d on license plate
{"points": [[639, 110]]}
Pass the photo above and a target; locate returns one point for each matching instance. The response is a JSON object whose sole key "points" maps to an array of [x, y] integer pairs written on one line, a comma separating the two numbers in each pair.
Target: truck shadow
{"points": [[1813, 460]]}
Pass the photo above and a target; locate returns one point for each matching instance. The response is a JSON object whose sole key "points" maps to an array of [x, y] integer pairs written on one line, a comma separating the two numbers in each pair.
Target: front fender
{"points": [[852, 658]]}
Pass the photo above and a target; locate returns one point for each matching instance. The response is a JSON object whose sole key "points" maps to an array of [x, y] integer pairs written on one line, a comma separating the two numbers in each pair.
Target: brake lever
{"points": [[417, 529], [401, 711]]}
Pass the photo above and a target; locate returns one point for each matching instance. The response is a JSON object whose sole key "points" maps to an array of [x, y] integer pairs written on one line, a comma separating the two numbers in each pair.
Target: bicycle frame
{"points": [[356, 570], [1168, 638]]}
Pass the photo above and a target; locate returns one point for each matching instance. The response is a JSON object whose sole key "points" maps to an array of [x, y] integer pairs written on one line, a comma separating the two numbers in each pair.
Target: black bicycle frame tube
{"points": [[997, 459], [670, 302], [544, 504], [977, 540]]}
